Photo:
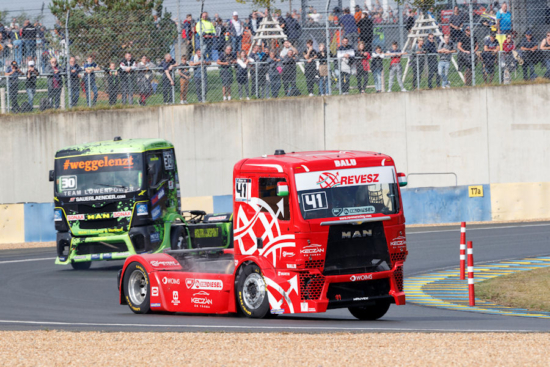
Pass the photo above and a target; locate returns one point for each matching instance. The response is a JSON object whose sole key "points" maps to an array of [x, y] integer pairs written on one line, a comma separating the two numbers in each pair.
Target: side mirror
{"points": [[402, 178], [52, 176], [282, 189]]}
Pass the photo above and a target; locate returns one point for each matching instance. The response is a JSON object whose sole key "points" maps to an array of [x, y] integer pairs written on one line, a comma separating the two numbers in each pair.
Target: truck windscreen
{"points": [[347, 192], [101, 174]]}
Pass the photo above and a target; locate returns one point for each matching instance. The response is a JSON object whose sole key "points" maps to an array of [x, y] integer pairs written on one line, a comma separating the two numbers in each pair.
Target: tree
{"points": [[260, 3], [109, 28]]}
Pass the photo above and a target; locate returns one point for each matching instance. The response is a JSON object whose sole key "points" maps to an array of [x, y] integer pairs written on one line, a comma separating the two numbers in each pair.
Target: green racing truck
{"points": [[117, 198]]}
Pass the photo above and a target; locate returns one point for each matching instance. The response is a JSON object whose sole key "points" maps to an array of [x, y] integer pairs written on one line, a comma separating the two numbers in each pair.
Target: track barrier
{"points": [[462, 250], [471, 291]]}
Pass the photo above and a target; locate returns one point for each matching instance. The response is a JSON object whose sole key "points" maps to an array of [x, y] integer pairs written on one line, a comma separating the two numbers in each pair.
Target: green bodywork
{"points": [[111, 227]]}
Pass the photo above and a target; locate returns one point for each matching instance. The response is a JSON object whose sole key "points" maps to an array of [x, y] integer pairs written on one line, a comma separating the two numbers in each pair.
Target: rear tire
{"points": [[81, 265], [252, 300], [136, 287], [371, 312]]}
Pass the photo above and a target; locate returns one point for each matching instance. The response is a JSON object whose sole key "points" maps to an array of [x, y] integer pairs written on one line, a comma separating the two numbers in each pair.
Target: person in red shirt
{"points": [[508, 58]]}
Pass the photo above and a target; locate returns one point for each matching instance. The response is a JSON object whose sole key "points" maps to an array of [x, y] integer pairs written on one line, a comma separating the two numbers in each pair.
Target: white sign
{"points": [[344, 177]]}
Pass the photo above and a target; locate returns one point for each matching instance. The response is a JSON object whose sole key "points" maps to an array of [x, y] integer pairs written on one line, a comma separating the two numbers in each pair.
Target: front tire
{"points": [[81, 265], [371, 312], [252, 299], [137, 288]]}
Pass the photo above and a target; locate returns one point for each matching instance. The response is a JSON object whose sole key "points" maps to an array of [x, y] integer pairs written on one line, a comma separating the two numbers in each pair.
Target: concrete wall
{"points": [[483, 135]]}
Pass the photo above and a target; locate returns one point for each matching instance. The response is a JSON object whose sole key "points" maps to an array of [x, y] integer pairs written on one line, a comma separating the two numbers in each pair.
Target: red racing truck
{"points": [[311, 231]]}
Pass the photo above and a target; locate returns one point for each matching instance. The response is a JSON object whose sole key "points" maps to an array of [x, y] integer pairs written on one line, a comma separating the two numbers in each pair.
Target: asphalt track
{"points": [[35, 294]]}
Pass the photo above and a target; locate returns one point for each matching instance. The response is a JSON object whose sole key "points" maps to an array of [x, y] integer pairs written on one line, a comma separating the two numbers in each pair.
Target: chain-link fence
{"points": [[140, 57]]}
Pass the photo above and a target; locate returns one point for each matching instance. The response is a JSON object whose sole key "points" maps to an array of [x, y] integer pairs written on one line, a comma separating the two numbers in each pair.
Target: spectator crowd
{"points": [[274, 67]]}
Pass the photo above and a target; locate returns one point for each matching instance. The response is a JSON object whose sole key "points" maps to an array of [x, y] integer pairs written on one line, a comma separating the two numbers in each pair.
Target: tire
{"points": [[372, 312], [137, 288], [81, 265], [252, 300], [177, 238]]}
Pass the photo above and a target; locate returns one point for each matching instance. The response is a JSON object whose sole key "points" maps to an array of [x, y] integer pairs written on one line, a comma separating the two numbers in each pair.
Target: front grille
{"points": [[315, 264], [398, 274], [98, 208], [100, 247], [311, 286], [353, 249], [351, 290], [100, 224], [398, 256]]}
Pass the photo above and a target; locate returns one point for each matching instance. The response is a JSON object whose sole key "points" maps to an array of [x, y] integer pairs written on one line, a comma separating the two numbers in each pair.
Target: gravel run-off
{"points": [[57, 348]]}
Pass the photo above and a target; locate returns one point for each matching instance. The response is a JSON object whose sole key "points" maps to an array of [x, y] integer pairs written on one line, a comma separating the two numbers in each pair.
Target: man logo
{"points": [[356, 234], [189, 282]]}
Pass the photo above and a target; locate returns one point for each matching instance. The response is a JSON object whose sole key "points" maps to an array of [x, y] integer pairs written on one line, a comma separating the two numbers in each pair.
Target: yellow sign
{"points": [[475, 191]]}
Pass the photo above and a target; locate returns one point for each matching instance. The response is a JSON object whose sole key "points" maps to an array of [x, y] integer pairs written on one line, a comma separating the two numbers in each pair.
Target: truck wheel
{"points": [[177, 238], [81, 265], [372, 312], [252, 297], [136, 288]]}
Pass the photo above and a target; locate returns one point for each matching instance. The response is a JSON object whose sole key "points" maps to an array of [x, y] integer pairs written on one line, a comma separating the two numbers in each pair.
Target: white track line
{"points": [[26, 260], [256, 327], [478, 229]]}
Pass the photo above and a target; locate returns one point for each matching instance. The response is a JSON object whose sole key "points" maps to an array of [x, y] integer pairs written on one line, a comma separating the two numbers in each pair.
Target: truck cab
{"points": [[312, 231], [114, 199]]}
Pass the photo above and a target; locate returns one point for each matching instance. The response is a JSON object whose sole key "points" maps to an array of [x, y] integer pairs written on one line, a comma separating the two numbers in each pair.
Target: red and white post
{"points": [[462, 250], [471, 291]]}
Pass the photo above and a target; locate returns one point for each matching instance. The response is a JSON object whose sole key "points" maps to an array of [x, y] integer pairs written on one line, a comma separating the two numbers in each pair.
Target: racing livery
{"points": [[311, 231]]}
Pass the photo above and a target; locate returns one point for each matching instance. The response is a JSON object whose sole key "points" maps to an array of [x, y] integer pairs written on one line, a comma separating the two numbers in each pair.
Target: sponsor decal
{"points": [[277, 311], [356, 234], [242, 189], [95, 164], [68, 183], [202, 299], [288, 254], [204, 284], [154, 291], [159, 195], [57, 216], [155, 304], [155, 237], [291, 266], [124, 214], [304, 307], [399, 242], [361, 299], [95, 257], [75, 217], [353, 278], [156, 263], [99, 216], [353, 211], [313, 249], [97, 198], [170, 185], [283, 274], [107, 256], [219, 217], [123, 254], [175, 298], [62, 258], [345, 162], [206, 232], [80, 257], [166, 280], [345, 177], [155, 213], [141, 209]]}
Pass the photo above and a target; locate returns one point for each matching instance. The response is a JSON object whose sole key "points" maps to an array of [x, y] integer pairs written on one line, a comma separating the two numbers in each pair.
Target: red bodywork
{"points": [[292, 251]]}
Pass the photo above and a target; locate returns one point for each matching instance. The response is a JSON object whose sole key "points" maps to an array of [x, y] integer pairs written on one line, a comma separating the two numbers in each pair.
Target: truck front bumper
{"points": [[118, 242]]}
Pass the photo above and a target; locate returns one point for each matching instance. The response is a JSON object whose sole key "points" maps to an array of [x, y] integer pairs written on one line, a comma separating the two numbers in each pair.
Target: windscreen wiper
{"points": [[117, 186]]}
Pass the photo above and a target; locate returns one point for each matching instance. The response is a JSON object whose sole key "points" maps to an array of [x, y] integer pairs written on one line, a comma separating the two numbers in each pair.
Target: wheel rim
{"points": [[137, 287], [254, 291]]}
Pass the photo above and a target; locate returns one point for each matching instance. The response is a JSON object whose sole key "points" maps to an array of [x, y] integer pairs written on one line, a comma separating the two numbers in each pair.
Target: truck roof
{"points": [[114, 146], [313, 161]]}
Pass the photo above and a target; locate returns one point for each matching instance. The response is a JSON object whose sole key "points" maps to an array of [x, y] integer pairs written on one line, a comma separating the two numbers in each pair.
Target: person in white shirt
{"points": [[315, 17], [236, 30]]}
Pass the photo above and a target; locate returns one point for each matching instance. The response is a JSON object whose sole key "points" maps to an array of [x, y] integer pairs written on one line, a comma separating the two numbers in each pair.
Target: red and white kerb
{"points": [[462, 250], [471, 292]]}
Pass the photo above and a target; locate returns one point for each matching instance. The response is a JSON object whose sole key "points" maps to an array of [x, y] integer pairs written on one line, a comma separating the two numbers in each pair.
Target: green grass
{"points": [[525, 289]]}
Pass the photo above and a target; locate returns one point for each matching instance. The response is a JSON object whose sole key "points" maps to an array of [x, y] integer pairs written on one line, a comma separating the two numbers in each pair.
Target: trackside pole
{"points": [[462, 250], [471, 291]]}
